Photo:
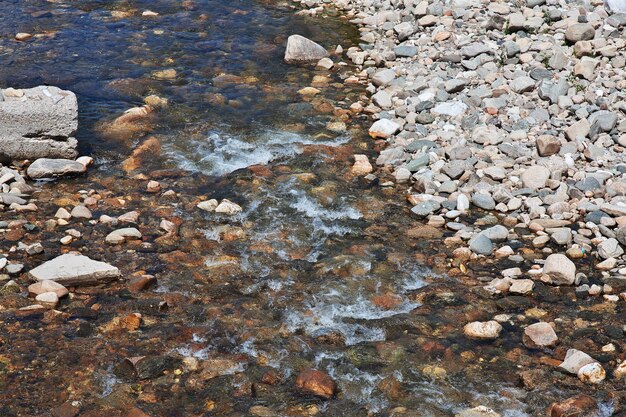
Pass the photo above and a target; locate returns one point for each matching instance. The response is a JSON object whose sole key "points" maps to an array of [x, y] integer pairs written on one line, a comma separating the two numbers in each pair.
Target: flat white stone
{"points": [[74, 269]]}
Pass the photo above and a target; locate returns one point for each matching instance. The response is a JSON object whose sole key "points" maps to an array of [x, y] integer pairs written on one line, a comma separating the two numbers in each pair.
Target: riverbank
{"points": [[505, 123]]}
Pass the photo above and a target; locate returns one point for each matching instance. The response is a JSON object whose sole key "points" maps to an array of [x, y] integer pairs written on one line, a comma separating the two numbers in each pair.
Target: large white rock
{"points": [[50, 168], [383, 128], [539, 335], [560, 269], [616, 6], [575, 360], [74, 269], [38, 122], [302, 50]]}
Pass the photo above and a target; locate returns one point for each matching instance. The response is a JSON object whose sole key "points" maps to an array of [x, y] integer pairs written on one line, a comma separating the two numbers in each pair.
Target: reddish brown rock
{"points": [[317, 383], [147, 151], [424, 231], [386, 301], [65, 410], [579, 406]]}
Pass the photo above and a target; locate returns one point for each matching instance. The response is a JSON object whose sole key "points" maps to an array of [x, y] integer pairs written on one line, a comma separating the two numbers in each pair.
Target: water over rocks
{"points": [[300, 285]]}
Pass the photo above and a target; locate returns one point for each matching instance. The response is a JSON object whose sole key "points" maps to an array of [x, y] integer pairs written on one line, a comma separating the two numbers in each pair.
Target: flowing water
{"points": [[317, 271]]}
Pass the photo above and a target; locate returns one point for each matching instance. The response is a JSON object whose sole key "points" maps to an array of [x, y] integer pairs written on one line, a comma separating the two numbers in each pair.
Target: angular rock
{"points": [[560, 269], [574, 360], [610, 248], [539, 335], [579, 32], [74, 269], [535, 177], [38, 123], [384, 128], [547, 145], [303, 50]]}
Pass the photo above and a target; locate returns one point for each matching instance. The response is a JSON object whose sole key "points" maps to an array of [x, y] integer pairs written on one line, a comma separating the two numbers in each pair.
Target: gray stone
{"points": [[405, 51], [574, 360], [616, 6], [51, 168], [481, 244], [522, 84], [497, 233], [303, 50], [383, 77], [384, 128], [38, 123], [425, 208], [552, 90], [74, 269], [404, 30], [455, 85], [382, 99], [562, 236], [81, 212], [603, 121], [578, 130], [475, 49], [535, 177], [483, 201], [579, 32], [450, 108], [418, 162], [620, 235], [610, 248]]}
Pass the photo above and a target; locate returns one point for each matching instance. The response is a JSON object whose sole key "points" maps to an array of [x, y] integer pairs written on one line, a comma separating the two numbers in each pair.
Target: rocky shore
{"points": [[505, 124]]}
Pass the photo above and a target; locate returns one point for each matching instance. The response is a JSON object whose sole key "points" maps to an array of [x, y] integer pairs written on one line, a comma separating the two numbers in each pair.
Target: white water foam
{"points": [[222, 153], [332, 311]]}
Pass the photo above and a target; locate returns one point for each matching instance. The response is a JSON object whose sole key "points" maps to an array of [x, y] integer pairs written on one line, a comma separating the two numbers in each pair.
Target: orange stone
{"points": [[317, 383]]}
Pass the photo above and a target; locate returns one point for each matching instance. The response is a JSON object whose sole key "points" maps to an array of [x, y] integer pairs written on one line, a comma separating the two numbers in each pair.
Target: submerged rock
{"points": [[540, 335], [74, 269], [483, 330], [317, 383], [303, 50]]}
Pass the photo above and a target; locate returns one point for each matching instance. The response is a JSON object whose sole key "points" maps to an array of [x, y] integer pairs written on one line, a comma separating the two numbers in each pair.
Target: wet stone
{"points": [[50, 168], [540, 335], [72, 269], [483, 330], [317, 383]]}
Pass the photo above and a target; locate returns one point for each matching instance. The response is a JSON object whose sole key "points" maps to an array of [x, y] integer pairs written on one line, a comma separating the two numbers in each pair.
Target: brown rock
{"points": [[136, 412], [424, 231], [548, 145], [65, 410], [141, 282], [147, 151], [317, 383], [579, 406], [386, 301], [131, 322]]}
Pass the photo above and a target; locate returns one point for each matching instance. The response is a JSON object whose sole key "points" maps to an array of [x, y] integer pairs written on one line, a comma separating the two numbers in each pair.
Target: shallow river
{"points": [[316, 272]]}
